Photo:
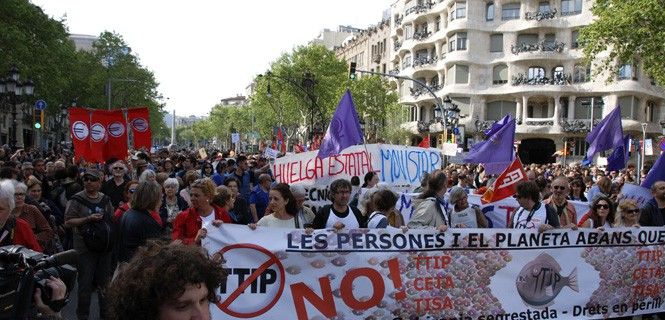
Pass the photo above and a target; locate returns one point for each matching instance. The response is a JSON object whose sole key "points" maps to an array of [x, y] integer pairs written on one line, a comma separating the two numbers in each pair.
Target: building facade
{"points": [[368, 48], [331, 39], [522, 58]]}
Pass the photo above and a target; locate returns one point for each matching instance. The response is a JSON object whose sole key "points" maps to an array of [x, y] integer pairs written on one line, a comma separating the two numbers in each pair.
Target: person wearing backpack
{"points": [[89, 214]]}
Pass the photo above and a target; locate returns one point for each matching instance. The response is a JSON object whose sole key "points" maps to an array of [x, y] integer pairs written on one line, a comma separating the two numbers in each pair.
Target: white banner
{"points": [[461, 274], [271, 153], [395, 165], [235, 137], [648, 147]]}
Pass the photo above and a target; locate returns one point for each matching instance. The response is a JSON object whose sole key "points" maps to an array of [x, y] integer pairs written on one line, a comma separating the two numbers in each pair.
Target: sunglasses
{"points": [[517, 196], [132, 190], [19, 194], [118, 168], [633, 211], [602, 206], [90, 179], [558, 187]]}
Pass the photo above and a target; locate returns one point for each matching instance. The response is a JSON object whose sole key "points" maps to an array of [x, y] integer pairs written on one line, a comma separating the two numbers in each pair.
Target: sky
{"points": [[202, 51]]}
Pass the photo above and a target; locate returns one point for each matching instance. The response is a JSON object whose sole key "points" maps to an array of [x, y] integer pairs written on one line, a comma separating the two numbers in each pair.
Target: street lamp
{"points": [[662, 125], [14, 91]]}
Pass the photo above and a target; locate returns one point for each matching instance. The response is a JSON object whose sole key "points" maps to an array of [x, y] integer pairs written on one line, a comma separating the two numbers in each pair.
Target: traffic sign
{"points": [[455, 130], [40, 105]]}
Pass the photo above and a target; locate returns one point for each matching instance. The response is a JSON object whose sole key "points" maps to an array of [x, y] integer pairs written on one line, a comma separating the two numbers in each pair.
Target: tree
{"points": [[628, 30], [376, 103]]}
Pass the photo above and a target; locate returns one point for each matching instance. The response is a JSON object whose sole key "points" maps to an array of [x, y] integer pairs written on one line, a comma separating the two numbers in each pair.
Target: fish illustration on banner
{"points": [[540, 281]]}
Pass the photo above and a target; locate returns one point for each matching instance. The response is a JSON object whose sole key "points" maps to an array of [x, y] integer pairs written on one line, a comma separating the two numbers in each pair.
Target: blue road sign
{"points": [[455, 130], [40, 105]]}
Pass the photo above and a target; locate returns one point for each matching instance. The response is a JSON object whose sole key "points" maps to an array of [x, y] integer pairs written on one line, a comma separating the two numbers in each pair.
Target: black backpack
{"points": [[98, 236]]}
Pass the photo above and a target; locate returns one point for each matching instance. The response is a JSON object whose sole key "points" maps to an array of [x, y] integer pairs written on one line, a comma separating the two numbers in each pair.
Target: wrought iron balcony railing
{"points": [[540, 123], [558, 79], [418, 8], [421, 35], [541, 15], [398, 20], [546, 46], [377, 57], [393, 72], [420, 62], [397, 45]]}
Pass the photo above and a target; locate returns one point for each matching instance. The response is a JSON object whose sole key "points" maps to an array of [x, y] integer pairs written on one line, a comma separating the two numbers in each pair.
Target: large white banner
{"points": [[395, 165], [278, 273]]}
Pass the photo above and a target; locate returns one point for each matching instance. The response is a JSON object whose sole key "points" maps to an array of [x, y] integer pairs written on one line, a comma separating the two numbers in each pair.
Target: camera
{"points": [[23, 270]]}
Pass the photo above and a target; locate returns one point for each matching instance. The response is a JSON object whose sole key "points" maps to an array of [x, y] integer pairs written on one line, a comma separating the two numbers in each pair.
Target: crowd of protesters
{"points": [[48, 202]]}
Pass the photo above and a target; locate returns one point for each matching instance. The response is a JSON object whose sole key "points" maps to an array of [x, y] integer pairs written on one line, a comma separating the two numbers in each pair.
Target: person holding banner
{"points": [[532, 214], [432, 211], [187, 226], [653, 213], [601, 214], [239, 207], [339, 215], [284, 210], [565, 210], [463, 215]]}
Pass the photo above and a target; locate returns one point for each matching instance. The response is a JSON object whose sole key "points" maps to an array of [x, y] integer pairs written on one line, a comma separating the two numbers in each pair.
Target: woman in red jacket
{"points": [[187, 226], [14, 230]]}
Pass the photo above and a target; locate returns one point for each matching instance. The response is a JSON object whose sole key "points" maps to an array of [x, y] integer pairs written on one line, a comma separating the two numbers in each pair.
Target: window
{"points": [[583, 111], [510, 11], [557, 74], [629, 106], [458, 11], [457, 42], [536, 73], [464, 105], [544, 6], [421, 54], [653, 112], [408, 31], [489, 11], [496, 42], [527, 38], [571, 7], [579, 146], [581, 73], [573, 39], [550, 42], [498, 109], [437, 24], [627, 72], [460, 73], [406, 61], [500, 74]]}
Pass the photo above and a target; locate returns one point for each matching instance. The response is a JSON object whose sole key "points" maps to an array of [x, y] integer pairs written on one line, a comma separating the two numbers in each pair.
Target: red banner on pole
{"points": [[98, 135], [116, 127], [79, 127], [139, 121], [505, 184]]}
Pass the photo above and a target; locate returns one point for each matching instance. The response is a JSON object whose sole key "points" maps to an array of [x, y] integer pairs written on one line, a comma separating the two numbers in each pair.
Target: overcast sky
{"points": [[203, 51]]}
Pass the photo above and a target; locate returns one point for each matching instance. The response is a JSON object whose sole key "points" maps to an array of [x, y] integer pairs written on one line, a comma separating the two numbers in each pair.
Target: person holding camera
{"points": [[89, 214]]}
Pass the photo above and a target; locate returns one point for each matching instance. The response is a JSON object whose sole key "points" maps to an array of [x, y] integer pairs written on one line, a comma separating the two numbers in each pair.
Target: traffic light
{"points": [[352, 71], [38, 119]]}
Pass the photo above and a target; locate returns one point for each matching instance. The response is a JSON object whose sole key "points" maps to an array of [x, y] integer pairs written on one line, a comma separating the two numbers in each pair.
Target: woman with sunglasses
{"points": [[130, 188], [188, 226], [601, 214], [115, 187], [628, 214], [207, 170]]}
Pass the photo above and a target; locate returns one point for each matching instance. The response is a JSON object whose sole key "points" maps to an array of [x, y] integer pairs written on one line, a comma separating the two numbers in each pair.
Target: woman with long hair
{"points": [[628, 214], [285, 210], [431, 209], [601, 214]]}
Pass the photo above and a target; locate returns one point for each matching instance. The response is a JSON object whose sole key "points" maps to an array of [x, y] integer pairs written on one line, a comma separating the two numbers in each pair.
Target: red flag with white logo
{"points": [[99, 120], [504, 186], [424, 143], [139, 121], [116, 128], [79, 128]]}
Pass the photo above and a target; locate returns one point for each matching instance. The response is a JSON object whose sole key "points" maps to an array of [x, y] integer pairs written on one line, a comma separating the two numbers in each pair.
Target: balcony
{"points": [[393, 72], [577, 125], [421, 35], [398, 20], [377, 57], [543, 122], [540, 15], [421, 8], [424, 61], [397, 45], [406, 64], [545, 46], [558, 79], [416, 92]]}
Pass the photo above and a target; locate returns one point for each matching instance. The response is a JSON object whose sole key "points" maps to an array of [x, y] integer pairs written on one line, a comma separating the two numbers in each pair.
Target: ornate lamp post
{"points": [[14, 92]]}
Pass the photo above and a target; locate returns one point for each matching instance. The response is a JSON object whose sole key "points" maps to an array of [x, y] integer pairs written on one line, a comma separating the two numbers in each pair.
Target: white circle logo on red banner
{"points": [[97, 132], [140, 125], [116, 129], [80, 130]]}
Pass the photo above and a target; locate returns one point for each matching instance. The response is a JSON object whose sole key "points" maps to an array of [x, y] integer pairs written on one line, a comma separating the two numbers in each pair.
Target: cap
{"points": [[141, 163], [26, 165], [93, 172], [168, 160]]}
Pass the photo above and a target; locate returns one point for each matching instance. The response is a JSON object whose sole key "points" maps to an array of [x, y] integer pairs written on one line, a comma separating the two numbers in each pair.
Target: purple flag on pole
{"points": [[657, 172], [497, 125], [617, 160], [606, 135], [344, 129], [497, 148]]}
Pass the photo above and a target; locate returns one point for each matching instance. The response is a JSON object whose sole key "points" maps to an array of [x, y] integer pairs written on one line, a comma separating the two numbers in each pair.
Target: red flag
{"points": [[139, 121], [79, 126], [424, 143], [99, 120], [280, 140], [504, 186], [116, 127]]}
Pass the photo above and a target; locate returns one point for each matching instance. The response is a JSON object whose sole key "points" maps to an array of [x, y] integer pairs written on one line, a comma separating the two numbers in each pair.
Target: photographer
{"points": [[58, 292]]}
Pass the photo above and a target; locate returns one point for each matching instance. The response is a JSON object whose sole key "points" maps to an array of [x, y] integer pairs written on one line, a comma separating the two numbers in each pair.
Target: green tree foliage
{"points": [[628, 30], [376, 104]]}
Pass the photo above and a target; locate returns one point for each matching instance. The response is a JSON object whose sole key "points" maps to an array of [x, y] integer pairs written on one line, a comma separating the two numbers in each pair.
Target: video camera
{"points": [[23, 270]]}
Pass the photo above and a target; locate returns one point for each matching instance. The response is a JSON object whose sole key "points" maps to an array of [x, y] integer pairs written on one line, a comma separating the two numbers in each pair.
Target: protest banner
{"points": [[395, 165], [461, 274]]}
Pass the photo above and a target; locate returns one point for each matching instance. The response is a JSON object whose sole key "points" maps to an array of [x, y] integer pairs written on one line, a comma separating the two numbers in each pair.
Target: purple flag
{"points": [[497, 125], [344, 129], [497, 148], [657, 172], [606, 135], [617, 160]]}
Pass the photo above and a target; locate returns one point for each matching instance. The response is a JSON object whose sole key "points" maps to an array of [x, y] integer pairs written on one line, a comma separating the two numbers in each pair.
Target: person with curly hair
{"points": [[193, 279]]}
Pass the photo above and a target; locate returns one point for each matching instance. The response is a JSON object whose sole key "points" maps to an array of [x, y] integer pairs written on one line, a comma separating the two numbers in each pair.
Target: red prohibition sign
{"points": [[224, 305]]}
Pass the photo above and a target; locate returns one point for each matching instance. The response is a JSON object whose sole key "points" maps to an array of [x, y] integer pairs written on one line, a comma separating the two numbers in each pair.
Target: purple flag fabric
{"points": [[657, 172], [344, 129], [606, 135], [498, 125], [497, 148], [617, 160]]}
